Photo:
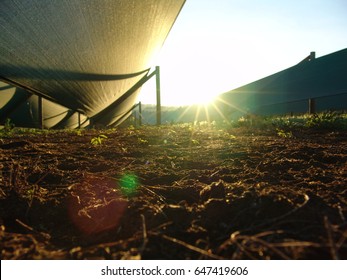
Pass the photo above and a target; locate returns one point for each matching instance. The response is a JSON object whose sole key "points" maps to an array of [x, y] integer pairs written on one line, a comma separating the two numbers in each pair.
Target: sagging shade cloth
{"points": [[83, 54], [22, 108]]}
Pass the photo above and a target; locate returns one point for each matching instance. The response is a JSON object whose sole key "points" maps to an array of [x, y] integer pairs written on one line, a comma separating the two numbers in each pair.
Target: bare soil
{"points": [[174, 192]]}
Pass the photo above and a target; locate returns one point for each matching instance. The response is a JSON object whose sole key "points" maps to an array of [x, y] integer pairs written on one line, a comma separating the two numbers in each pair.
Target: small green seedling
{"points": [[284, 134], [98, 140], [142, 141], [8, 126]]}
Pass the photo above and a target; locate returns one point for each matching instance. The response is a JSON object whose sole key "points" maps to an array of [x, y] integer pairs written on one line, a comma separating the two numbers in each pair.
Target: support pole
{"points": [[157, 70], [40, 115], [140, 114], [135, 117], [79, 119], [311, 106]]}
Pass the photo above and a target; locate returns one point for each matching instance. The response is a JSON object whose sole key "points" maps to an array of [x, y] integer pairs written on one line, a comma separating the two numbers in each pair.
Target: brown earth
{"points": [[174, 192]]}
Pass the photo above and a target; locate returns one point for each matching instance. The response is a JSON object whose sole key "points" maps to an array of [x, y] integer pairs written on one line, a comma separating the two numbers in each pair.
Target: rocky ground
{"points": [[174, 192]]}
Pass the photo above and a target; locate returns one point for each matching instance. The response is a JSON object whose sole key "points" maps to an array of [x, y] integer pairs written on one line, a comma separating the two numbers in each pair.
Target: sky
{"points": [[216, 46]]}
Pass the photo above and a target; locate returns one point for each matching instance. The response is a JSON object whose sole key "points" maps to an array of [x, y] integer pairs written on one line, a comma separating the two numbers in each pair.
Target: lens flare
{"points": [[94, 206], [129, 184]]}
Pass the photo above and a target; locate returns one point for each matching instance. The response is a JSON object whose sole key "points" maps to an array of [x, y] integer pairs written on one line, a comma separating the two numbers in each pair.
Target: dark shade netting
{"points": [[82, 54], [280, 93]]}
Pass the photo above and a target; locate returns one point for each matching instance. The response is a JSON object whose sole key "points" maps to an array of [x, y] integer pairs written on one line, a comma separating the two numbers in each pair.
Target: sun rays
{"points": [[217, 110]]}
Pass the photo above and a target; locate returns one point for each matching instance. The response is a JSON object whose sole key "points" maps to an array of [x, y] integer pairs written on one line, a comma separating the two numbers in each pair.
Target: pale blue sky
{"points": [[216, 46]]}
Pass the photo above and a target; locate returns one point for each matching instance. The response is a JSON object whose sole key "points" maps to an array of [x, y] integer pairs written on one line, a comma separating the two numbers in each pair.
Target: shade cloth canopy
{"points": [[323, 78], [83, 54]]}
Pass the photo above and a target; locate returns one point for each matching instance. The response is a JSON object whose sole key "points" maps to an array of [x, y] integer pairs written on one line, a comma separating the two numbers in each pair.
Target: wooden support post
{"points": [[79, 119], [140, 114], [135, 117], [311, 106], [40, 113], [157, 75]]}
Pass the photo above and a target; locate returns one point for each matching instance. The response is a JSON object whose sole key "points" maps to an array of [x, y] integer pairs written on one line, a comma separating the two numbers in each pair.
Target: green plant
{"points": [[78, 132], [142, 141], [8, 126], [324, 120], [284, 134], [95, 141], [329, 120]]}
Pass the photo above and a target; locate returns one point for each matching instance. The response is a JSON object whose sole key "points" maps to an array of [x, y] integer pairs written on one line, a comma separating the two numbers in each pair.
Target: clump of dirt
{"points": [[174, 192]]}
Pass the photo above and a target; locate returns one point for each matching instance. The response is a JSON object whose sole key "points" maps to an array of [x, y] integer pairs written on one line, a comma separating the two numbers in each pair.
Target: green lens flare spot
{"points": [[129, 184]]}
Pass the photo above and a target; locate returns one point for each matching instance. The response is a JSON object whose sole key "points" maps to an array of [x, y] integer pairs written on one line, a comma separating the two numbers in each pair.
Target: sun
{"points": [[189, 98], [206, 111], [204, 100]]}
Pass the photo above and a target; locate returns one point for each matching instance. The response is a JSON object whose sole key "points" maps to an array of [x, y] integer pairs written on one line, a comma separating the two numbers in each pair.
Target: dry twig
{"points": [[332, 244], [144, 234], [191, 247], [276, 219]]}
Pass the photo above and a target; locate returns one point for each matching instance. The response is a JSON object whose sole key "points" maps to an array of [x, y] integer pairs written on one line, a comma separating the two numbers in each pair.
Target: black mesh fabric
{"points": [[83, 54]]}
